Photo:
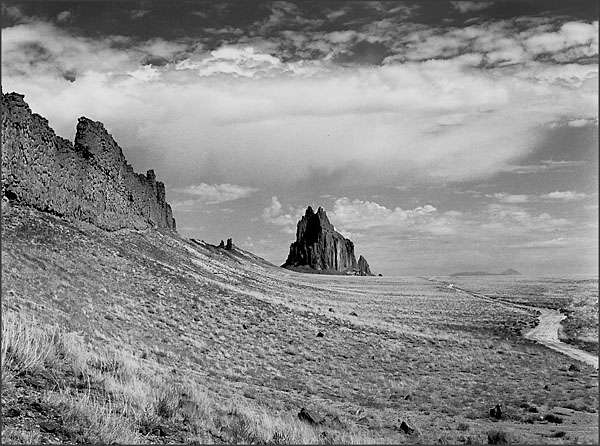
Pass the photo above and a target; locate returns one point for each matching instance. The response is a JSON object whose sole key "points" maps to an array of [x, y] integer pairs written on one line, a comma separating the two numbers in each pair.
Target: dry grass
{"points": [[112, 401], [174, 332], [25, 347]]}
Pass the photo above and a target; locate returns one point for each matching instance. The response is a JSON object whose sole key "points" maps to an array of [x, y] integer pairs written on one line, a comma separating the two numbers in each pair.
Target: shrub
{"points": [[90, 421], [497, 437], [25, 348]]}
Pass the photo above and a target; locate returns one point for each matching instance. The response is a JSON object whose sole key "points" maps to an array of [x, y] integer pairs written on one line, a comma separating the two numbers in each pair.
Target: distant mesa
{"points": [[88, 180], [319, 248], [507, 272]]}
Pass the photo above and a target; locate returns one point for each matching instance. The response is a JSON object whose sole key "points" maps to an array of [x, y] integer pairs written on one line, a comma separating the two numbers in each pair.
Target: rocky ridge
{"points": [[87, 180], [320, 248]]}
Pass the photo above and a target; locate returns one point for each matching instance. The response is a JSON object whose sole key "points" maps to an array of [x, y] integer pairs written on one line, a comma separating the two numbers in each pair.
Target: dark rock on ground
{"points": [[574, 368], [551, 418], [406, 428], [309, 417], [496, 411], [87, 180], [353, 313], [320, 334]]}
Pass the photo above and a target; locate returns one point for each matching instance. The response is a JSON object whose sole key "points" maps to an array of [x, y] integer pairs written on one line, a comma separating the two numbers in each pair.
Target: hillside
{"points": [[142, 336]]}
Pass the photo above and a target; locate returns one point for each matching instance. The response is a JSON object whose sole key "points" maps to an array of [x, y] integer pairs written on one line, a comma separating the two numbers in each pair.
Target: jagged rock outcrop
{"points": [[363, 267], [320, 247], [89, 180], [229, 245]]}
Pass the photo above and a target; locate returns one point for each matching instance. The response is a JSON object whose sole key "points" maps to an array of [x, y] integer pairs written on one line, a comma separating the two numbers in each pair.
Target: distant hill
{"points": [[507, 272]]}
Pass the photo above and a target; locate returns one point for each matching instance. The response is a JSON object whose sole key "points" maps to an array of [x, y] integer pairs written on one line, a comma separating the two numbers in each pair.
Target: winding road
{"points": [[545, 332]]}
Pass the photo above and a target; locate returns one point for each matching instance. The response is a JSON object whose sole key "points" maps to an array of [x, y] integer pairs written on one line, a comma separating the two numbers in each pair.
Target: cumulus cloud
{"points": [[567, 195], [63, 16], [470, 6], [275, 214], [216, 193], [510, 198], [442, 120]]}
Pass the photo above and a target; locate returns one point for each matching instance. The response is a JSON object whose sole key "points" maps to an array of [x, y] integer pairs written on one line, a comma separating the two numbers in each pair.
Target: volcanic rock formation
{"points": [[320, 248], [89, 180], [363, 267]]}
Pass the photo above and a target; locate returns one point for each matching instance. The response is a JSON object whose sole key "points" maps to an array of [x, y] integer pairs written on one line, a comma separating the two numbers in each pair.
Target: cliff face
{"points": [[320, 247], [89, 180], [363, 267]]}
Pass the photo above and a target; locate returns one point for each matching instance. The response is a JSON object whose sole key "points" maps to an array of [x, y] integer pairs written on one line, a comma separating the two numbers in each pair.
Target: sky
{"points": [[438, 136]]}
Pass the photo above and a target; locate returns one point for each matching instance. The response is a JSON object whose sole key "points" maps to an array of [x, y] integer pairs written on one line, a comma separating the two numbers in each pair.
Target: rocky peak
{"points": [[88, 180], [320, 247], [363, 267]]}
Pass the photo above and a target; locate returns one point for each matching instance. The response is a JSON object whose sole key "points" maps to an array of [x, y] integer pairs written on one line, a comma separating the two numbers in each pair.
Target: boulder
{"points": [[308, 416]]}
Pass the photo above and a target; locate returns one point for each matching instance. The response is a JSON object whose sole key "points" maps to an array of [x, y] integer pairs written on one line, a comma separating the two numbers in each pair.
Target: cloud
{"points": [[63, 16], [544, 165], [552, 243], [279, 119], [232, 60], [509, 198], [567, 195], [470, 6], [216, 193], [275, 215], [581, 122]]}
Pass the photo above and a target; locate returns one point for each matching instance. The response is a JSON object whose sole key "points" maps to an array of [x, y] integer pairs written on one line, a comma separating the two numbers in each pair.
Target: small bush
{"points": [[497, 437], [86, 420], [167, 399], [25, 348]]}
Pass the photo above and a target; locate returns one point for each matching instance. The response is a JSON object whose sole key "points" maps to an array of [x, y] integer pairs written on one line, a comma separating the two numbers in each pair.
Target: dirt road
{"points": [[546, 332]]}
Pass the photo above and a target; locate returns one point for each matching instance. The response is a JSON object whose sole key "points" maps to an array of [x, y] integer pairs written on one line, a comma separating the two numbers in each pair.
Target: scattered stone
{"points": [[574, 368], [244, 326], [496, 411], [12, 412], [404, 427], [551, 418], [546, 387], [331, 310], [353, 313], [309, 416], [50, 426], [320, 334]]}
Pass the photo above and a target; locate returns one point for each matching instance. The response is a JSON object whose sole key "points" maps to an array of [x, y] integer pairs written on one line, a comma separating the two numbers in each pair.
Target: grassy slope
{"points": [[172, 341]]}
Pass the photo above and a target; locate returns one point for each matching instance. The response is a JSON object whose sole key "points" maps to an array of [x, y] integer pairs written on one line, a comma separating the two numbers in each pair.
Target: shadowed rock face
{"points": [[89, 180], [363, 267], [320, 247]]}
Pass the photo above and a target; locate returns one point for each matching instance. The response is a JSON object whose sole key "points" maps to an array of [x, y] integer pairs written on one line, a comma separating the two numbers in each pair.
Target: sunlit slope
{"points": [[389, 349]]}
